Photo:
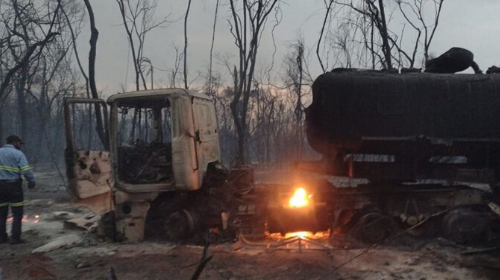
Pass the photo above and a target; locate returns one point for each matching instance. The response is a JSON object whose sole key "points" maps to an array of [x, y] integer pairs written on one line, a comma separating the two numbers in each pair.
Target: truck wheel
{"points": [[180, 225], [159, 213]]}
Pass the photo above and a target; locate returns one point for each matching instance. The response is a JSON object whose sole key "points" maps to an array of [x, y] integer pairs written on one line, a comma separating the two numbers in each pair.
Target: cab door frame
{"points": [[90, 179]]}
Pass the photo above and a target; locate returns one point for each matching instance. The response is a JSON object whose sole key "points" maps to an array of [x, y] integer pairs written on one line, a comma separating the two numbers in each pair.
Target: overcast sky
{"points": [[471, 24]]}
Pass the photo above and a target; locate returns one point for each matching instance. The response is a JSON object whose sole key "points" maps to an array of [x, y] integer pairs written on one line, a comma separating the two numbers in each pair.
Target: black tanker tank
{"points": [[400, 145], [352, 106]]}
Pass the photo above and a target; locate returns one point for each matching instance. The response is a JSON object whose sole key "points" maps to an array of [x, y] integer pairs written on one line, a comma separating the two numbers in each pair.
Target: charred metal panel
{"points": [[350, 105], [206, 133], [430, 125], [88, 170], [184, 154], [92, 173], [312, 218]]}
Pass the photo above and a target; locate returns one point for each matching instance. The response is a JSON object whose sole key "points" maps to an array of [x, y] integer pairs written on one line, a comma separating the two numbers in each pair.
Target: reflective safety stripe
{"points": [[16, 204], [15, 169], [12, 204], [24, 168], [10, 168]]}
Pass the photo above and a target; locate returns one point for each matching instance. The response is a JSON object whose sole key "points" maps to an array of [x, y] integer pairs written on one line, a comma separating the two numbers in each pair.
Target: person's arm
{"points": [[26, 170]]}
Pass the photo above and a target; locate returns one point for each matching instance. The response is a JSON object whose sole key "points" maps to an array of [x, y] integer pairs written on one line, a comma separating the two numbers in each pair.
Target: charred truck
{"points": [[159, 164], [415, 150], [408, 148]]}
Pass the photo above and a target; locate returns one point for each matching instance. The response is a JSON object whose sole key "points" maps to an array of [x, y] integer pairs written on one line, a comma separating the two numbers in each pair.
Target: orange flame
{"points": [[300, 234], [299, 198]]}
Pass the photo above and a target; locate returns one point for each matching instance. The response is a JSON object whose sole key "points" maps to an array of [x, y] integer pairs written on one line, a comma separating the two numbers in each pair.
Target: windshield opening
{"points": [[144, 140]]}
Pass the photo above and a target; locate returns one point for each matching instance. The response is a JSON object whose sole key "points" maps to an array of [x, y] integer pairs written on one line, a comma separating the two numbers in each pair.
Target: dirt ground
{"points": [[54, 251]]}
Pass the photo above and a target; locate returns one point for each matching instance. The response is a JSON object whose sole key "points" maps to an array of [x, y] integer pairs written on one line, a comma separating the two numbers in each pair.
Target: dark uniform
{"points": [[13, 165]]}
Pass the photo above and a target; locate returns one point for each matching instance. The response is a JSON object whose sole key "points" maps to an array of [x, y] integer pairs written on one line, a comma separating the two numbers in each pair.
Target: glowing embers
{"points": [[308, 234], [296, 212], [26, 219]]}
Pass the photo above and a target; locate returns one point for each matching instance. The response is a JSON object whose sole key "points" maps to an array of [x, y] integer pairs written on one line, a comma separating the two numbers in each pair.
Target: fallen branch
{"points": [[200, 268], [204, 258], [112, 275], [481, 251]]}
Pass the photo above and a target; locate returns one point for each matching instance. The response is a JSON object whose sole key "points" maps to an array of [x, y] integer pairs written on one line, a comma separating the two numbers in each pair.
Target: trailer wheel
{"points": [[374, 227], [466, 226]]}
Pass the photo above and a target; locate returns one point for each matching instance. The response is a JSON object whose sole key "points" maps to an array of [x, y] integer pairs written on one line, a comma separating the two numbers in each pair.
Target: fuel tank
{"points": [[351, 106]]}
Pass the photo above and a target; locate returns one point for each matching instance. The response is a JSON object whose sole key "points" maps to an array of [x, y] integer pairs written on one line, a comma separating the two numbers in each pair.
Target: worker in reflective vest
{"points": [[13, 165]]}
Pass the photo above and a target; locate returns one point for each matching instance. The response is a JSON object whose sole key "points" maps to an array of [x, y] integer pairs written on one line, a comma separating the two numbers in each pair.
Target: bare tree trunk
{"points": [[186, 45], [138, 21], [1, 119], [121, 4], [210, 76], [298, 106], [21, 101], [372, 44], [77, 56], [82, 71], [327, 15], [247, 30], [25, 60], [94, 34], [383, 33]]}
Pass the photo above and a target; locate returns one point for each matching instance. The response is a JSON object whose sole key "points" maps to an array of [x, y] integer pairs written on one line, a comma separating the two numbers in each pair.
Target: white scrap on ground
{"points": [[65, 241], [88, 222]]}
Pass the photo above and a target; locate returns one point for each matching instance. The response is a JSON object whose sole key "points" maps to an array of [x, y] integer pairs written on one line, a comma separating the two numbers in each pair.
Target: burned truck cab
{"points": [[162, 140], [159, 145]]}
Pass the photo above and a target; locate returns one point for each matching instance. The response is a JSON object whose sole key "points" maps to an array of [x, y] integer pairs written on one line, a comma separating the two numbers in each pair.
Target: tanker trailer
{"points": [[414, 145]]}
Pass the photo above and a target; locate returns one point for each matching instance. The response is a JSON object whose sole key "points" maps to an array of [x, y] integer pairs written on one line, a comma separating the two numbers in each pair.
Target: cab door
{"points": [[87, 156], [206, 132]]}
